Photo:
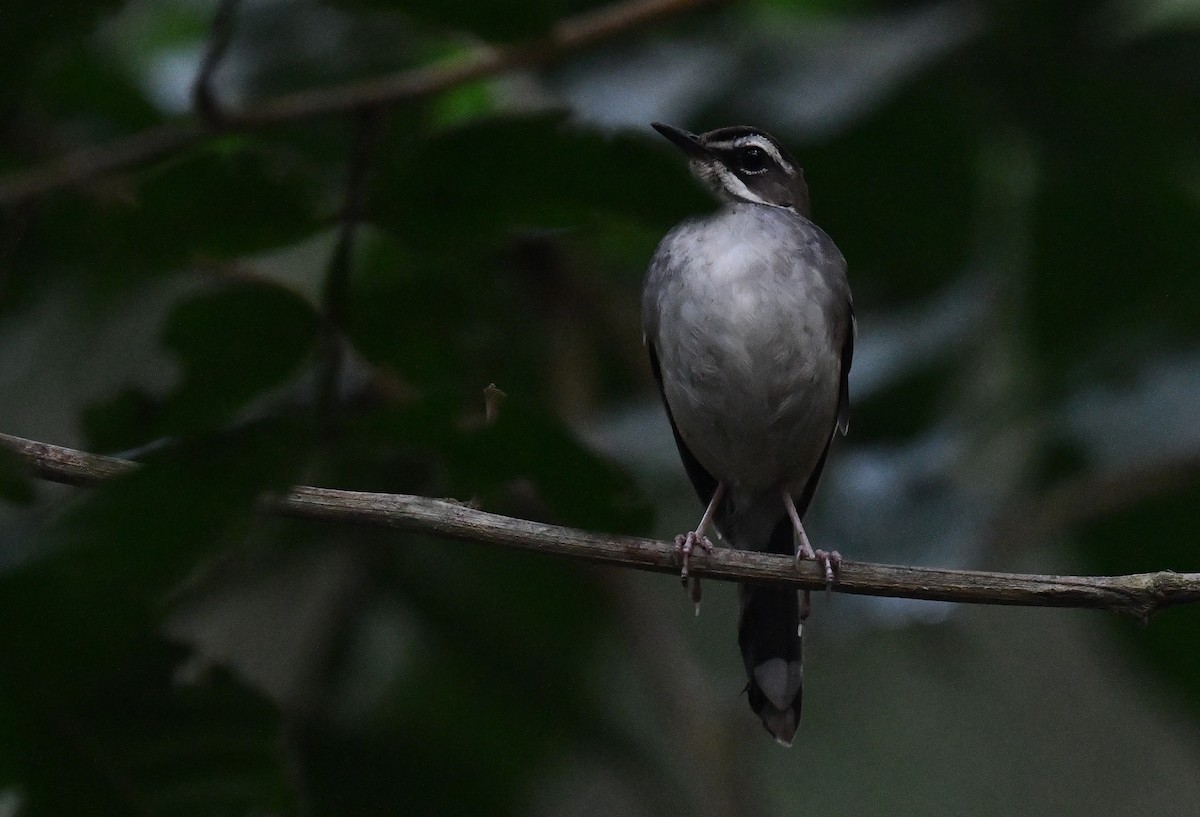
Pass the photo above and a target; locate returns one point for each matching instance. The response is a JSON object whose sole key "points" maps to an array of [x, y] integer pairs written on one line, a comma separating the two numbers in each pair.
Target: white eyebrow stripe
{"points": [[762, 143]]}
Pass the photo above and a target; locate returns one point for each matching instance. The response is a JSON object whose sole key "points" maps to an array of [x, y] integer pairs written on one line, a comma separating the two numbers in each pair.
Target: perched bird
{"points": [[749, 323]]}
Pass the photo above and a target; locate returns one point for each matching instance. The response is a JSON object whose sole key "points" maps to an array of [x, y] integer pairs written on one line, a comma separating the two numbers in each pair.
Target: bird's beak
{"points": [[689, 143]]}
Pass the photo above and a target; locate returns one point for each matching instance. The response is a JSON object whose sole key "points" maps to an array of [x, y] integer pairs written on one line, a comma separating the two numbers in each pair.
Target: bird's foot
{"points": [[685, 545], [830, 561]]}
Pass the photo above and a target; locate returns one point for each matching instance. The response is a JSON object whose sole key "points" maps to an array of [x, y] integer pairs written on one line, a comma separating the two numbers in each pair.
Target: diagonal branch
{"points": [[204, 98], [336, 294], [99, 160], [566, 37], [1139, 594]]}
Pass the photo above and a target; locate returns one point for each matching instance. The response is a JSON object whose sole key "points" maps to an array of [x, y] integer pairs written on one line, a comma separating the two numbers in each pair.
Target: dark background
{"points": [[323, 300]]}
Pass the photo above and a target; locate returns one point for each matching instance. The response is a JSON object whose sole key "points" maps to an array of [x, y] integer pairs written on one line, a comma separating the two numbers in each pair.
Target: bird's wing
{"points": [[843, 413], [704, 482]]}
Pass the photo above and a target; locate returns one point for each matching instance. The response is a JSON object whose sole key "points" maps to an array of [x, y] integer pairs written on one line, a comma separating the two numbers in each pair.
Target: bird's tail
{"points": [[770, 640]]}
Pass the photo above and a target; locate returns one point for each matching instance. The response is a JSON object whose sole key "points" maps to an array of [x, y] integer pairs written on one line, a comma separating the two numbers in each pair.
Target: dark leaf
{"points": [[527, 444], [31, 29], [475, 185], [104, 567], [121, 422], [233, 344], [237, 202], [91, 92], [499, 20], [140, 742]]}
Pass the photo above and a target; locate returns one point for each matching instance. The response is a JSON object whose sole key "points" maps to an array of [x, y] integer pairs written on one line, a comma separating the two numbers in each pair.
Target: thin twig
{"points": [[89, 163], [566, 37], [1139, 594], [493, 398], [367, 129], [220, 35]]}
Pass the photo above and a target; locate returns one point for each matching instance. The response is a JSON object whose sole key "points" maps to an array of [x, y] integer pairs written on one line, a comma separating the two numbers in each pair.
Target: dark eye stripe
{"points": [[730, 146]]}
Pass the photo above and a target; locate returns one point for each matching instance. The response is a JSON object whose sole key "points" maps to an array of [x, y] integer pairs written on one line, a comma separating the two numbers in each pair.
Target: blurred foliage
{"points": [[15, 483], [496, 22], [1111, 552], [139, 742], [94, 579], [238, 201], [1044, 150]]}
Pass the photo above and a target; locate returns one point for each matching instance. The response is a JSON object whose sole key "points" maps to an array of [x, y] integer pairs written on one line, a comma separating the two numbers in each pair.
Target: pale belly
{"points": [[757, 410]]}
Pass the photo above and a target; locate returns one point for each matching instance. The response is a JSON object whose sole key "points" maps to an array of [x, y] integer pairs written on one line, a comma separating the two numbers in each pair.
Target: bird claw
{"points": [[830, 561], [685, 544]]}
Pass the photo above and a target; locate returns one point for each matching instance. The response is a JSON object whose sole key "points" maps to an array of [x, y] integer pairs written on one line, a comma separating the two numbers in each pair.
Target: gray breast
{"points": [[747, 310]]}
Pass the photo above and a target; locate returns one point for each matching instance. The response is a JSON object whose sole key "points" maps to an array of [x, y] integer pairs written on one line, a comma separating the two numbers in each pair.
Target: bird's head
{"points": [[740, 163]]}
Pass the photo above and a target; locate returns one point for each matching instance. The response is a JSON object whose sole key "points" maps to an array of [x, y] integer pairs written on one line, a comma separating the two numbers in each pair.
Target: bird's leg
{"points": [[686, 543], [830, 561]]}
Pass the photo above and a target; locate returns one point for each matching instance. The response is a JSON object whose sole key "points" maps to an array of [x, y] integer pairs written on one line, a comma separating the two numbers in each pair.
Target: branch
{"points": [[91, 162], [565, 37], [336, 292], [1139, 594], [204, 98]]}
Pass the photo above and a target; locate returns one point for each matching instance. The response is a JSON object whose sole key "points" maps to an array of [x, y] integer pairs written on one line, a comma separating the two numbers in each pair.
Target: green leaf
{"points": [[233, 344], [223, 202], [238, 201], [31, 29], [409, 310], [475, 186], [528, 444], [120, 422], [89, 90], [497, 20]]}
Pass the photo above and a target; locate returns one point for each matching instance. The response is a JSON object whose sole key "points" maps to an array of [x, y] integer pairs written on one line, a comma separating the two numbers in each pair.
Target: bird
{"points": [[749, 322]]}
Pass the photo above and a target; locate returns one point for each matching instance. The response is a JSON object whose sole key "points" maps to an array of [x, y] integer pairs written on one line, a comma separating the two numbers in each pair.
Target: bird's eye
{"points": [[752, 160]]}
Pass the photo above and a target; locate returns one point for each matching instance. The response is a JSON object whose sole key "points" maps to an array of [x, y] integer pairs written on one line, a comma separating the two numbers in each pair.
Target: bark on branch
{"points": [[1139, 594]]}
